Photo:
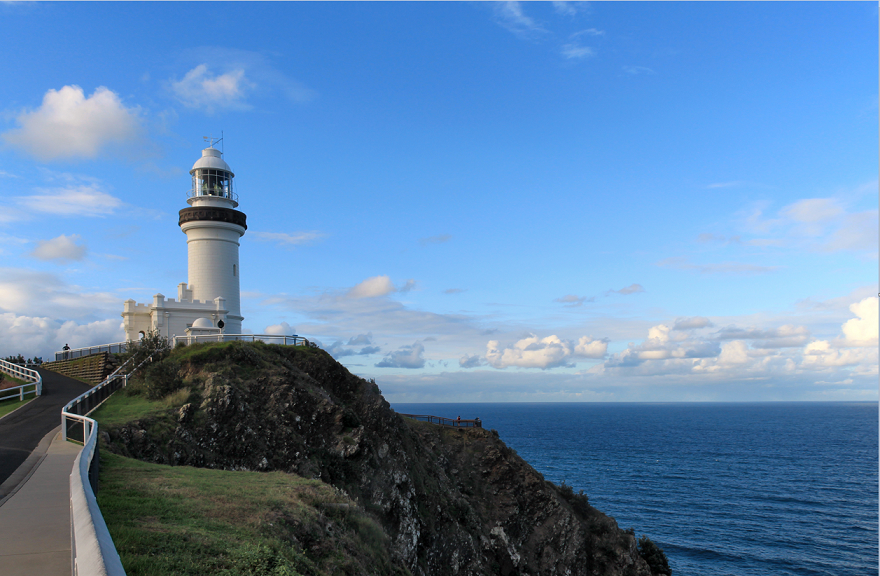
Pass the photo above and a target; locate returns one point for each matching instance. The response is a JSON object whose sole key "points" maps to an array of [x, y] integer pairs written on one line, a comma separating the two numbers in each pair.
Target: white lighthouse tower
{"points": [[210, 301], [213, 228]]}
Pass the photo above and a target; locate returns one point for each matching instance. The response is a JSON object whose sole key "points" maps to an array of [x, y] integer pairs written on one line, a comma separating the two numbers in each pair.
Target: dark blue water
{"points": [[764, 489]]}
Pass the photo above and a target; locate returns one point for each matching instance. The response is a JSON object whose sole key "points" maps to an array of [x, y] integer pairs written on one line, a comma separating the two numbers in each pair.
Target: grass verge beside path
{"points": [[182, 520], [192, 521], [7, 406]]}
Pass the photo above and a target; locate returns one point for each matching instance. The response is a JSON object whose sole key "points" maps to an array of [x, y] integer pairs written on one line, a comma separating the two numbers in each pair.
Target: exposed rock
{"points": [[453, 501]]}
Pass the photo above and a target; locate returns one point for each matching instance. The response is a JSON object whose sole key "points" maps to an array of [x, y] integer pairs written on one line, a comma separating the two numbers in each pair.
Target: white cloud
{"points": [[283, 329], [471, 361], [404, 357], [857, 232], [409, 286], [290, 240], [786, 336], [361, 340], [510, 15], [588, 348], [372, 288], [572, 300], [751, 353], [338, 350], [42, 336], [813, 210], [588, 32], [734, 352], [858, 347], [680, 263], [40, 294], [815, 224], [565, 8], [725, 184], [543, 353], [692, 323], [199, 88], [228, 78], [862, 330], [631, 289], [707, 237], [573, 51], [69, 125], [60, 248], [75, 200], [530, 352]]}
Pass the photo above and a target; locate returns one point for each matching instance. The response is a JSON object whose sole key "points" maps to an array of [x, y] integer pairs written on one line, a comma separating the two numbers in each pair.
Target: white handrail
{"points": [[267, 338], [21, 372], [74, 353], [91, 546], [92, 549]]}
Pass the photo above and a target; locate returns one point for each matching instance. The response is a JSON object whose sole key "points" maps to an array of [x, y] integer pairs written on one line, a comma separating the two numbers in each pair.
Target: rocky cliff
{"points": [[452, 501]]}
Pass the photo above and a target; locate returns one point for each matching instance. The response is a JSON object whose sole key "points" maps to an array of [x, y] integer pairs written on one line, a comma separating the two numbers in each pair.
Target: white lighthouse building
{"points": [[209, 302]]}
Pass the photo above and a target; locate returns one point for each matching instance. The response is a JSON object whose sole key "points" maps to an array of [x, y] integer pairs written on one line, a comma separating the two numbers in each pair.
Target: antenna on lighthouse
{"points": [[211, 140]]}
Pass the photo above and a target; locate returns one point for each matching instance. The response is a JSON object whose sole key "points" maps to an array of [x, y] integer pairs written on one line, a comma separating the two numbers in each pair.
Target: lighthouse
{"points": [[213, 228], [209, 302]]}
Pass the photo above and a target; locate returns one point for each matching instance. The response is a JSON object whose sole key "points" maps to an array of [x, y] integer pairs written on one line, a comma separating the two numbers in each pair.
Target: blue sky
{"points": [[466, 201]]}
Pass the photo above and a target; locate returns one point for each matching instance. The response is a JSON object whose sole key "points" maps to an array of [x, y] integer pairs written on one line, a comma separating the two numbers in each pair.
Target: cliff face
{"points": [[452, 501]]}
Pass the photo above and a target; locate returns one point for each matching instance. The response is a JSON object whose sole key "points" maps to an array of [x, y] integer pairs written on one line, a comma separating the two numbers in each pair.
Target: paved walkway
{"points": [[35, 466], [35, 518], [22, 430]]}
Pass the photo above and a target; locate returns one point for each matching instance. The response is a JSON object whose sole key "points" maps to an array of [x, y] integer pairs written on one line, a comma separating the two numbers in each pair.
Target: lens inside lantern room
{"points": [[207, 182]]}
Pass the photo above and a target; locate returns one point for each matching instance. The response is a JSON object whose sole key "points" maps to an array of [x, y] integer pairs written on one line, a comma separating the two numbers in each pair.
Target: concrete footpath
{"points": [[22, 430], [35, 515]]}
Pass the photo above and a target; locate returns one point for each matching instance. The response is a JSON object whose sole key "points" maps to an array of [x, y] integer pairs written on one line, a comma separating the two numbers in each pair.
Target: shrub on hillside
{"points": [[259, 560], [654, 556], [162, 378], [578, 500], [152, 344]]}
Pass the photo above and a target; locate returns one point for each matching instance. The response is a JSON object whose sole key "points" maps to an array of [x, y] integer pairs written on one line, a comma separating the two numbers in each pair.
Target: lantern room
{"points": [[212, 178]]}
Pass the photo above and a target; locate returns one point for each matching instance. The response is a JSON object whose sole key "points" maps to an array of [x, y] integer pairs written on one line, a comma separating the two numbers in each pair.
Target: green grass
{"points": [[8, 378], [121, 408], [183, 520], [7, 406], [193, 521]]}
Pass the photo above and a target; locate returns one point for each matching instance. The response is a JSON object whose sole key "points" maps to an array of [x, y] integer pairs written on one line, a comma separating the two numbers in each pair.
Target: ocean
{"points": [[751, 489]]}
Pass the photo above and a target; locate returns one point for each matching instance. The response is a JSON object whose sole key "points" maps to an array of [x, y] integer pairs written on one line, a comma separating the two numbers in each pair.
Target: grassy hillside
{"points": [[246, 458], [190, 521]]}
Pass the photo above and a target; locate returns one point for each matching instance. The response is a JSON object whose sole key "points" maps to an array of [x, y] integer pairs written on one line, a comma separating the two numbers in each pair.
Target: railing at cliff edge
{"points": [[266, 338], [74, 353], [92, 552], [20, 372], [454, 422]]}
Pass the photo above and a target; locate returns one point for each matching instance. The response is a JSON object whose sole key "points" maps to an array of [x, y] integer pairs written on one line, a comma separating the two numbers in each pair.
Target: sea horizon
{"points": [[761, 488]]}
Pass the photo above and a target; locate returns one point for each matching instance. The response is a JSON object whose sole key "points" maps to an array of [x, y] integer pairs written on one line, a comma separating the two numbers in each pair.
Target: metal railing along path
{"points": [[22, 373], [266, 338], [455, 422], [74, 353], [91, 546]]}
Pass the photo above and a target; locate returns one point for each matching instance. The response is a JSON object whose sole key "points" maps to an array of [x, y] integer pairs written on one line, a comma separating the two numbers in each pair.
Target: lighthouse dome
{"points": [[202, 323], [211, 159]]}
